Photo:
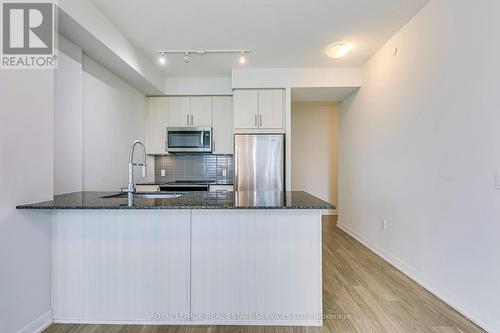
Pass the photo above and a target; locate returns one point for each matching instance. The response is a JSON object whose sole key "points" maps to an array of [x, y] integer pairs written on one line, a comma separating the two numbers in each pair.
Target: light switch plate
{"points": [[162, 172]]}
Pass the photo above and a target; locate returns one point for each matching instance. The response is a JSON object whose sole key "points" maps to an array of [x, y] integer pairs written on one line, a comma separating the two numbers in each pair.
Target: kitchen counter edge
{"points": [[194, 200]]}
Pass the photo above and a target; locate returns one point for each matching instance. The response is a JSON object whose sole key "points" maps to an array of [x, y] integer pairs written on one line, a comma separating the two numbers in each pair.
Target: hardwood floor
{"points": [[361, 293]]}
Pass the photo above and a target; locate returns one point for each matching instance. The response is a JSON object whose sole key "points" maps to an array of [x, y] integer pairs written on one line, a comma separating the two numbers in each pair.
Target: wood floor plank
{"points": [[361, 293]]}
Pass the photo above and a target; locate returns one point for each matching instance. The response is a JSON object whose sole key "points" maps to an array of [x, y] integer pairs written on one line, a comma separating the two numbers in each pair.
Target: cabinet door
{"points": [[107, 266], [157, 124], [222, 125], [255, 261], [245, 109], [201, 111], [179, 110], [221, 188], [271, 108]]}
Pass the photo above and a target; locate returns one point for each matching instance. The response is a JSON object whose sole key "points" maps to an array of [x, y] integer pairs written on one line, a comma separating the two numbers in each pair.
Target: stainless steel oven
{"points": [[189, 139]]}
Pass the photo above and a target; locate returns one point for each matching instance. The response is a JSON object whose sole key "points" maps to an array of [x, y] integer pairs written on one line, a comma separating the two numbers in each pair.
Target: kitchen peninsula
{"points": [[200, 258]]}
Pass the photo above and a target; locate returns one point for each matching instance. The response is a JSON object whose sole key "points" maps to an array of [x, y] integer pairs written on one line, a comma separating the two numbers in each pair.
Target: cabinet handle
{"points": [[187, 120], [260, 120], [255, 120]]}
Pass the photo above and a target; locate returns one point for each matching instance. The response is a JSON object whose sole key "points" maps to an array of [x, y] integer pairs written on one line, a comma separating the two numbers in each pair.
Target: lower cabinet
{"points": [[221, 188], [256, 265], [122, 266], [241, 266]]}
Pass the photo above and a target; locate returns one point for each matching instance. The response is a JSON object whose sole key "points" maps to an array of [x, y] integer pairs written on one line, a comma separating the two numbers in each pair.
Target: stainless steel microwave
{"points": [[189, 139]]}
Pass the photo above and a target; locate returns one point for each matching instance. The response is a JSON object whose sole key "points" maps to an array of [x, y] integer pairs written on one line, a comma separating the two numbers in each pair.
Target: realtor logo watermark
{"points": [[28, 34]]}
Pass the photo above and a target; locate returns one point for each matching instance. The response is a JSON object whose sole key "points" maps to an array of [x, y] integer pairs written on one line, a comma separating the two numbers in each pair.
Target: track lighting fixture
{"points": [[242, 60], [187, 59], [162, 60]]}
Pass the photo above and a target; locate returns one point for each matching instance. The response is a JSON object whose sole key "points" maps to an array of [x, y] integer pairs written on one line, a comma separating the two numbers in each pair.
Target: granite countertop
{"points": [[190, 200]]}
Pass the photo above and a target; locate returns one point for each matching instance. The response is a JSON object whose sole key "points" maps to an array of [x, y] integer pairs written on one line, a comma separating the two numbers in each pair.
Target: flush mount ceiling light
{"points": [[187, 53], [338, 50]]}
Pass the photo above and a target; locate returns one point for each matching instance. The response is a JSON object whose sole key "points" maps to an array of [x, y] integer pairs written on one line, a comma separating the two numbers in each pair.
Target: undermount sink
{"points": [[151, 195]]}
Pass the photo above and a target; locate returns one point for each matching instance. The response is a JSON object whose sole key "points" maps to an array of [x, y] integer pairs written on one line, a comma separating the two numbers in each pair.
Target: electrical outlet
{"points": [[162, 172], [224, 172], [383, 224]]}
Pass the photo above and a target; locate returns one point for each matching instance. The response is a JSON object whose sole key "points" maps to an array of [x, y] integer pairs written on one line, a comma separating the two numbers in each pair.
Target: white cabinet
{"points": [[256, 262], [188, 111], [222, 125], [246, 109], [259, 110], [221, 188], [271, 107], [120, 266], [180, 111], [158, 116], [147, 188], [201, 111]]}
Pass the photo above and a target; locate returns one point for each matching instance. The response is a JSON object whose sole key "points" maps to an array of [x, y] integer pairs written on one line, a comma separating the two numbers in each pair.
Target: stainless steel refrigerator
{"points": [[259, 162]]}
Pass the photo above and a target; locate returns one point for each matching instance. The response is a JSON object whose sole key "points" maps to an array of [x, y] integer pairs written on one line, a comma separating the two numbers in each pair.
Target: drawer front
{"points": [[221, 188]]}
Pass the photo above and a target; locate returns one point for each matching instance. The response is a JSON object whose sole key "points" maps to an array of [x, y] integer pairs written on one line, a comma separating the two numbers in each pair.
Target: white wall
{"points": [[198, 86], [68, 118], [97, 117], [290, 78], [314, 149], [26, 169], [419, 146], [296, 77], [85, 24], [114, 115]]}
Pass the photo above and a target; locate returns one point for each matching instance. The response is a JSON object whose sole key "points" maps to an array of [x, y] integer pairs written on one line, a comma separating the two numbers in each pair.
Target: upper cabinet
{"points": [[201, 111], [180, 111], [158, 121], [259, 110], [188, 111], [271, 108], [246, 109], [222, 125]]}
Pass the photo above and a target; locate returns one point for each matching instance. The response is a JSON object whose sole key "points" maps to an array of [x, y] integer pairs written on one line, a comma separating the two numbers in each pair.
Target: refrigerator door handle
{"points": [[236, 158]]}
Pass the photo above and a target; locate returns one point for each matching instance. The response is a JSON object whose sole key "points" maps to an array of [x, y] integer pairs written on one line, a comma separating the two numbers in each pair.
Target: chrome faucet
{"points": [[130, 189]]}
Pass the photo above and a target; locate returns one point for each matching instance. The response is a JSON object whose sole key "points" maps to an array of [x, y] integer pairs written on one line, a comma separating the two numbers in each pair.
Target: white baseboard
{"points": [[39, 324], [424, 281], [298, 323]]}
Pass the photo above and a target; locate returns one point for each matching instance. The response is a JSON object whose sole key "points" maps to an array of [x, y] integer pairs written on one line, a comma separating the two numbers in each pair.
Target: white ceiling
{"points": [[280, 33]]}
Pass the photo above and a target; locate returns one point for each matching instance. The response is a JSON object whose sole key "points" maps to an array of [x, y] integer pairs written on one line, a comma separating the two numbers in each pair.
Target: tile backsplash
{"points": [[194, 167]]}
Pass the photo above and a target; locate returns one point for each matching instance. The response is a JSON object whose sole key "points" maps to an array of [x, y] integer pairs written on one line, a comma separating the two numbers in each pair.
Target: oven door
{"points": [[189, 140]]}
